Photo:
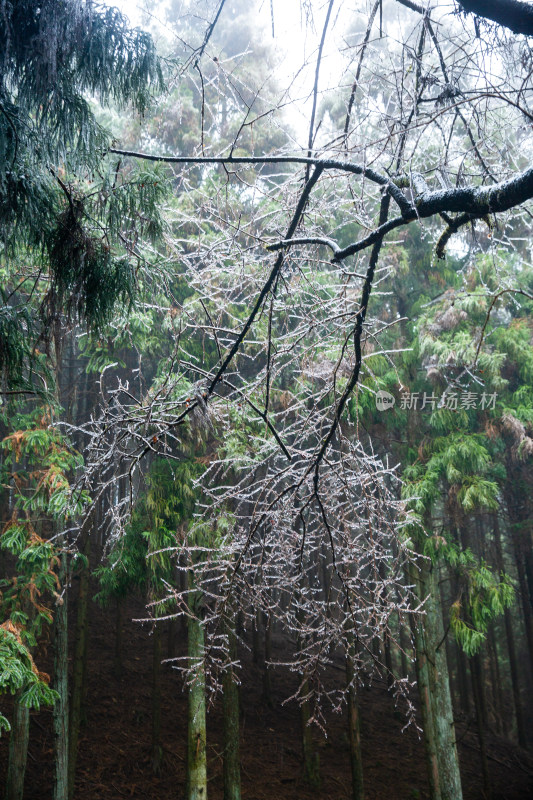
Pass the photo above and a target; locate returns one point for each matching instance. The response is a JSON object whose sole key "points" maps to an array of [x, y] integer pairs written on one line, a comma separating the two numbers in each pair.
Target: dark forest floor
{"points": [[114, 755]]}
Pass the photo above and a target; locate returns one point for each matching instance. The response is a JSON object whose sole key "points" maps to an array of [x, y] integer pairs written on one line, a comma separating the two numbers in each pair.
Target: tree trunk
{"points": [[256, 638], [481, 720], [267, 675], [404, 649], [196, 729], [524, 596], [447, 756], [511, 649], [436, 703], [518, 514], [311, 758], [60, 714], [424, 690], [496, 680], [183, 620], [354, 732], [157, 751], [117, 662], [462, 679], [79, 670], [230, 701], [18, 752]]}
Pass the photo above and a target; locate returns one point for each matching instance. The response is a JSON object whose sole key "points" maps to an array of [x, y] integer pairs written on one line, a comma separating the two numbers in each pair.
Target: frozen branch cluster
{"points": [[274, 338]]}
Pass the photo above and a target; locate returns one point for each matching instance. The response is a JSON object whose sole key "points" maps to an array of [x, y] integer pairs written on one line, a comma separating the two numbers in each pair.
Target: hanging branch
{"points": [[197, 55], [355, 84], [312, 132]]}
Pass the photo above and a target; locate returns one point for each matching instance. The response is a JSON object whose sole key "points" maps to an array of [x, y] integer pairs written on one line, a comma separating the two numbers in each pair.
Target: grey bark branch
{"points": [[199, 53], [512, 14], [480, 200], [324, 163], [304, 240], [312, 132], [358, 333], [269, 283], [477, 200], [355, 84]]}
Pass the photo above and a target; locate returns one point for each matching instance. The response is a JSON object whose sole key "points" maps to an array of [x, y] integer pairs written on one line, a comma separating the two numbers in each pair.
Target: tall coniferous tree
{"points": [[69, 218], [52, 56]]}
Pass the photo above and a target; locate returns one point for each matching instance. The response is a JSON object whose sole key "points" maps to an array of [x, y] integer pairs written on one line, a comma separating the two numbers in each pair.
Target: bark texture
{"points": [[79, 670], [18, 752], [60, 716], [196, 729], [512, 14], [434, 688], [232, 770]]}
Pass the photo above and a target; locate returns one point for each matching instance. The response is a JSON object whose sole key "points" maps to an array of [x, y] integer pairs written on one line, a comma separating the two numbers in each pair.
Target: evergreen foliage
{"points": [[65, 211], [142, 558], [18, 673], [224, 449], [38, 464]]}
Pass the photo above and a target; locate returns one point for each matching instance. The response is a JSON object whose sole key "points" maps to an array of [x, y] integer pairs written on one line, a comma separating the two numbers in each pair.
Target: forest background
{"points": [[237, 386]]}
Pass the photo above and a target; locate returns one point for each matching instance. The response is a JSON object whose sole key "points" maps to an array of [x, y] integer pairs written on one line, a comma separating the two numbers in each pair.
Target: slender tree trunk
{"points": [[481, 720], [463, 683], [311, 760], [404, 649], [450, 776], [496, 679], [511, 649], [445, 600], [516, 518], [117, 662], [230, 701], [524, 597], [256, 638], [513, 666], [79, 670], [462, 679], [267, 677], [183, 620], [424, 690], [18, 752], [60, 713], [354, 731], [528, 548], [196, 729], [157, 751], [436, 703], [454, 691]]}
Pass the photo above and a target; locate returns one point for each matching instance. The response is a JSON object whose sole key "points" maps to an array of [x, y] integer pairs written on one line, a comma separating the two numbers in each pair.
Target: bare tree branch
{"points": [[315, 87], [512, 14]]}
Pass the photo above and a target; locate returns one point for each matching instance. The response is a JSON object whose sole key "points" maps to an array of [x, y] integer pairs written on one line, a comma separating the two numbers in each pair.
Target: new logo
{"points": [[384, 400]]}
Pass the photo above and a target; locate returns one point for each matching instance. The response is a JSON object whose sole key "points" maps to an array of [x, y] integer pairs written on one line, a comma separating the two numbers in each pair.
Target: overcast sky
{"points": [[298, 27]]}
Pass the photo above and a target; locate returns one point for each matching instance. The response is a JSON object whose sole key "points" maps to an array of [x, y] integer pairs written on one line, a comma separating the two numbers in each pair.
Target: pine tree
{"points": [[68, 215], [38, 463], [69, 221]]}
